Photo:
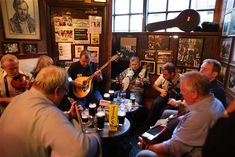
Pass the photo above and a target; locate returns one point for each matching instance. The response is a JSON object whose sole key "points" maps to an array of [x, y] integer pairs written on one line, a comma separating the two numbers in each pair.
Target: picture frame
{"points": [[164, 56], [231, 80], [232, 24], [149, 54], [189, 52], [159, 68], [222, 74], [128, 47], [12, 29], [30, 48], [233, 54], [158, 42], [10, 47], [151, 66], [225, 49], [226, 24]]}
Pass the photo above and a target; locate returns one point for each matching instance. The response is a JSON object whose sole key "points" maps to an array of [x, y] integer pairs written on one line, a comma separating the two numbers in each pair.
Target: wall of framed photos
{"points": [[186, 50], [227, 50]]}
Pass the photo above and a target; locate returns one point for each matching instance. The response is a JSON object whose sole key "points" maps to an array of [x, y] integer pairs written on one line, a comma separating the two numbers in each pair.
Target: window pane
{"points": [[203, 4], [137, 6], [206, 16], [160, 6], [173, 16], [121, 23], [121, 6], [179, 5], [136, 23], [173, 29], [156, 17]]}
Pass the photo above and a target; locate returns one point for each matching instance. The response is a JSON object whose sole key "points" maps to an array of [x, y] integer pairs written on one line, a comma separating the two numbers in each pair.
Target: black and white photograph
{"points": [[150, 65], [149, 54], [222, 73], [10, 47], [226, 49], [128, 47], [25, 11], [189, 52], [232, 25], [30, 48], [158, 42], [226, 24], [231, 80]]}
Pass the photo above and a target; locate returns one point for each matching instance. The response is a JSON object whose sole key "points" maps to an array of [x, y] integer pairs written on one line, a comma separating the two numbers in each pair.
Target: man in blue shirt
{"points": [[204, 110]]}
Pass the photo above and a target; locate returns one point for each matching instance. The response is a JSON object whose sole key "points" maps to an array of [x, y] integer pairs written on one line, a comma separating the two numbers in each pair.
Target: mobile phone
{"points": [[153, 132]]}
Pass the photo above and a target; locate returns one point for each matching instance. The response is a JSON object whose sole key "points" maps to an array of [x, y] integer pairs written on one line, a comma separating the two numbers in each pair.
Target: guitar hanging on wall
{"points": [[187, 21], [87, 81]]}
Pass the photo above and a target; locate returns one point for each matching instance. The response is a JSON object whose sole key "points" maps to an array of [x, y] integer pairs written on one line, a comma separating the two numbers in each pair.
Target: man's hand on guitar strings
{"points": [[78, 84], [98, 73]]}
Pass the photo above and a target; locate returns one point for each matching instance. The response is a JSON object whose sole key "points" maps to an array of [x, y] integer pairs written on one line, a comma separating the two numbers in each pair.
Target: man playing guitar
{"points": [[83, 68], [167, 85]]}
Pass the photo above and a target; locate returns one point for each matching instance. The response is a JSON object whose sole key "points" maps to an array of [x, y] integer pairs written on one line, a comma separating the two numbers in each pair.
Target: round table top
{"points": [[106, 134]]}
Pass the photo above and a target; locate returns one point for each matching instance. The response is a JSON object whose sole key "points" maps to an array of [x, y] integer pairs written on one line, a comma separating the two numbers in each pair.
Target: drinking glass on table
{"points": [[85, 116], [121, 117], [100, 117]]}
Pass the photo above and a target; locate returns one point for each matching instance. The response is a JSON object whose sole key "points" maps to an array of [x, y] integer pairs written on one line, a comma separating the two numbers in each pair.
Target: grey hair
{"points": [[196, 81], [86, 53], [170, 67], [43, 61], [50, 78], [10, 58], [134, 58]]}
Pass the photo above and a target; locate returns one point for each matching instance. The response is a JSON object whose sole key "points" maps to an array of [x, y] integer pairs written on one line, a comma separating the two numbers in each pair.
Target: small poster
{"points": [[78, 49], [95, 24], [95, 38], [94, 53], [81, 36], [64, 51], [63, 29]]}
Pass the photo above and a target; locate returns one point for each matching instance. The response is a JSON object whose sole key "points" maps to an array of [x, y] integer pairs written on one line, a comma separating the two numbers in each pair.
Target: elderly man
{"points": [[21, 22], [11, 74], [191, 132], [32, 125], [135, 78]]}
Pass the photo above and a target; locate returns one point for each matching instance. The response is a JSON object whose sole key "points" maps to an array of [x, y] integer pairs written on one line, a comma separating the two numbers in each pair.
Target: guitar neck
{"points": [[101, 68]]}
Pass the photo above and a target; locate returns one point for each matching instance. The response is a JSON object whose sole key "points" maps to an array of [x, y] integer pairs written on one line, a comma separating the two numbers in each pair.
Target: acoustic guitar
{"points": [[187, 20], [87, 81]]}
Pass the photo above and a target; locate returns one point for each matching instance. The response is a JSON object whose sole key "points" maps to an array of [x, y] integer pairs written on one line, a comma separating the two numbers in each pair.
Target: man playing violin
{"points": [[81, 68], [12, 80]]}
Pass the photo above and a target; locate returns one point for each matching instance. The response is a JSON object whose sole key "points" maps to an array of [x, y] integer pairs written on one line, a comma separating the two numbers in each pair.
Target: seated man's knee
{"points": [[146, 153]]}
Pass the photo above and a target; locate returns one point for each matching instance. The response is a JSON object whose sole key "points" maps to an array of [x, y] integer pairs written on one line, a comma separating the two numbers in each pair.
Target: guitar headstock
{"points": [[117, 56]]}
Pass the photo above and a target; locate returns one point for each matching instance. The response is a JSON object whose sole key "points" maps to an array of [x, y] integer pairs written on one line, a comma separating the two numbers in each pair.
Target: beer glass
{"points": [[92, 109], [132, 98], [106, 96], [121, 117], [85, 116], [100, 117], [111, 93]]}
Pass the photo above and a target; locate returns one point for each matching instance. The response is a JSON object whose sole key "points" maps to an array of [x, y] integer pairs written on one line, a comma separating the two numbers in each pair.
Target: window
{"points": [[128, 15]]}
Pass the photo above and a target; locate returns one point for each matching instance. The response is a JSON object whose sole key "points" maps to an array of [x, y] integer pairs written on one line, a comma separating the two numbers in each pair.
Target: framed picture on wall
{"points": [[159, 68], [30, 48], [150, 65], [232, 25], [231, 80], [233, 54], [223, 72], [189, 52], [226, 49], [10, 47], [128, 47], [27, 12], [158, 42], [149, 54], [226, 24]]}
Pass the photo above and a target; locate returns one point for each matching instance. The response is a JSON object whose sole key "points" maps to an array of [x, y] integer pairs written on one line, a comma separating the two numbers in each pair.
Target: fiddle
{"points": [[20, 82]]}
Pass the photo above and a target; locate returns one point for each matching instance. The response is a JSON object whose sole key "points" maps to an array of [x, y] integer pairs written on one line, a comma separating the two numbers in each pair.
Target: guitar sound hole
{"points": [[85, 84]]}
